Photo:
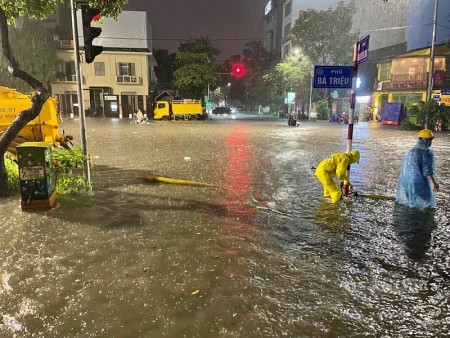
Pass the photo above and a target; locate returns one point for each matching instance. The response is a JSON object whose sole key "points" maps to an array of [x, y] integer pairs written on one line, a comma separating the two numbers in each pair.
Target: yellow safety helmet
{"points": [[425, 133], [355, 156]]}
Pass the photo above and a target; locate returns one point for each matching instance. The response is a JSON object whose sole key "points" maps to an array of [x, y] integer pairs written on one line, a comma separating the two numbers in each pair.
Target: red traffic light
{"points": [[237, 70]]}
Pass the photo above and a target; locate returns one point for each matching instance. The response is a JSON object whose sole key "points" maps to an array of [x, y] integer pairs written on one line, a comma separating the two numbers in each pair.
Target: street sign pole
{"points": [[351, 114]]}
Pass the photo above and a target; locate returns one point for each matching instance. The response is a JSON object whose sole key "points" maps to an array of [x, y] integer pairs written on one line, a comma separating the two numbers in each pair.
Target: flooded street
{"points": [[262, 254]]}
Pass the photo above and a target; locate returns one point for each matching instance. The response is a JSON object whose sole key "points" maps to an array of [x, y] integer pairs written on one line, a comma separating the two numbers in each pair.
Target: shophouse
{"points": [[405, 78], [121, 78]]}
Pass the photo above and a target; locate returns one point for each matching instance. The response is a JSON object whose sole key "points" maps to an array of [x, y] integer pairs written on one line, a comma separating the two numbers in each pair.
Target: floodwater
{"points": [[262, 254]]}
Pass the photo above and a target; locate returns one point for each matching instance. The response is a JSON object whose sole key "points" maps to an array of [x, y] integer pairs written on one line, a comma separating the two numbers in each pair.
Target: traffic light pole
{"points": [[87, 175], [433, 39]]}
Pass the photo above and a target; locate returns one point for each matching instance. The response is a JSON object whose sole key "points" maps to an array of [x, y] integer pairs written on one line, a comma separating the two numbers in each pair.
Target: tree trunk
{"points": [[40, 97]]}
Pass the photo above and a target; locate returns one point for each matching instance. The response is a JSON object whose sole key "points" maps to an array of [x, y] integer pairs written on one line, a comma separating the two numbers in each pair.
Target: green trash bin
{"points": [[37, 181]]}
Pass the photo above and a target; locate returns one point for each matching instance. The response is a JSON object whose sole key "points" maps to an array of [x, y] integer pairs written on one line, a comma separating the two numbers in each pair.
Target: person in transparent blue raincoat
{"points": [[417, 176]]}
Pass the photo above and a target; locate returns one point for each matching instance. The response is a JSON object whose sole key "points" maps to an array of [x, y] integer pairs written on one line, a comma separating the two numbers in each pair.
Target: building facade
{"points": [[395, 27], [389, 23], [272, 26], [405, 78], [119, 81]]}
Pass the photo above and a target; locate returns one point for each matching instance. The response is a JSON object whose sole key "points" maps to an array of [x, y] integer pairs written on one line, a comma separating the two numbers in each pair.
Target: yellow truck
{"points": [[186, 109], [44, 128]]}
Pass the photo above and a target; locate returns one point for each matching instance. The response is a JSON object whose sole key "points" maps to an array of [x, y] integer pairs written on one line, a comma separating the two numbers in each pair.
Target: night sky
{"points": [[220, 20]]}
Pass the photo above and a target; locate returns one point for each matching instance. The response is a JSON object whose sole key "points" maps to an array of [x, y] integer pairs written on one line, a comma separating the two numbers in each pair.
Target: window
{"points": [[66, 71], [99, 68], [385, 72], [287, 30], [69, 68], [288, 8], [269, 41], [447, 67], [126, 69], [439, 63], [408, 100]]}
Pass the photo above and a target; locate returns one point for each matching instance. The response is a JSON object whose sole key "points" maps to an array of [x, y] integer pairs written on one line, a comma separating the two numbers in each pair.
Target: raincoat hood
{"points": [[355, 156]]}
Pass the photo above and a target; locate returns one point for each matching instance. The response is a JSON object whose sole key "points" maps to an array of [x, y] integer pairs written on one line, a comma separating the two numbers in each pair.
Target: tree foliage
{"points": [[289, 73], [40, 9], [324, 35], [323, 110], [428, 113], [258, 63], [196, 67], [36, 51], [256, 58], [165, 68]]}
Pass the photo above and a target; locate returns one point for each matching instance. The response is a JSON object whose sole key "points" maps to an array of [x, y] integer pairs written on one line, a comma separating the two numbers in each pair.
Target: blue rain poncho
{"points": [[414, 188]]}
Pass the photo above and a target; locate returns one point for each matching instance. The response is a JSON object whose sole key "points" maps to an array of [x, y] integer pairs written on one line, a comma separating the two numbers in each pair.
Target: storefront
{"points": [[404, 79]]}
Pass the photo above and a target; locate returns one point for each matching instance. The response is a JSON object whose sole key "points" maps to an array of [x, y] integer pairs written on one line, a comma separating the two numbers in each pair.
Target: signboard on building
{"points": [[445, 99], [333, 76], [268, 7], [110, 97], [409, 84], [363, 50], [438, 78]]}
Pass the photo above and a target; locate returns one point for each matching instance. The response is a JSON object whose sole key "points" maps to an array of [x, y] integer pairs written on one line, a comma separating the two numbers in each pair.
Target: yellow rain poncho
{"points": [[335, 166]]}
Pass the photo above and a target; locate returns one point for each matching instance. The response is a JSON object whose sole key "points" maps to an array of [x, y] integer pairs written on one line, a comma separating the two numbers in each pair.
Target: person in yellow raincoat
{"points": [[335, 166]]}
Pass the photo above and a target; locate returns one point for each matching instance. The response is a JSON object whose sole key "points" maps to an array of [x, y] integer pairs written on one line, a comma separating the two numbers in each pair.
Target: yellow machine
{"points": [[179, 109], [44, 128]]}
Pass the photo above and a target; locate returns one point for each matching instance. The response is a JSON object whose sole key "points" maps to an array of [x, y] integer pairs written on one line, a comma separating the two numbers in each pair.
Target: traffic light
{"points": [[237, 70], [90, 33]]}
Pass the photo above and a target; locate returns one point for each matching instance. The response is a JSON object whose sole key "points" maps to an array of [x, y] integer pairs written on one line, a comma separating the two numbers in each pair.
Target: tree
{"points": [[35, 47], [430, 112], [323, 110], [292, 70], [324, 36], [10, 11], [256, 57], [196, 67], [258, 63], [165, 68], [288, 74]]}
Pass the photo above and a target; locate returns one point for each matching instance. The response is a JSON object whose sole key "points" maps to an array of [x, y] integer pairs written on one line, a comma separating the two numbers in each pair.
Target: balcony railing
{"points": [[129, 79], [409, 77], [65, 44], [68, 78]]}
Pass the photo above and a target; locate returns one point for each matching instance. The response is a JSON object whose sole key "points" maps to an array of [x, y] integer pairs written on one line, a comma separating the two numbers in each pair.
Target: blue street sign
{"points": [[363, 50], [333, 76]]}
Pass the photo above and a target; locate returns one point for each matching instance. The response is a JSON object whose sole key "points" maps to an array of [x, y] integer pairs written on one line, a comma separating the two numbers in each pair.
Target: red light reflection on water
{"points": [[238, 173]]}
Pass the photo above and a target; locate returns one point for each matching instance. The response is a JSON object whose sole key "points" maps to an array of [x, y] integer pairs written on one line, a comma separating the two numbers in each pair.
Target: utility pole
{"points": [[87, 175], [310, 98], [431, 72]]}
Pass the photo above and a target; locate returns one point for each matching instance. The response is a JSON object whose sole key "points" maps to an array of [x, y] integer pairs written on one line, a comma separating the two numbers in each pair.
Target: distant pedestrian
{"points": [[335, 166], [417, 176]]}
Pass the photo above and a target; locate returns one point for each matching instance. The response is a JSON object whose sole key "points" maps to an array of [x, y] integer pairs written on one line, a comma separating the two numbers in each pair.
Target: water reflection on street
{"points": [[262, 254]]}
